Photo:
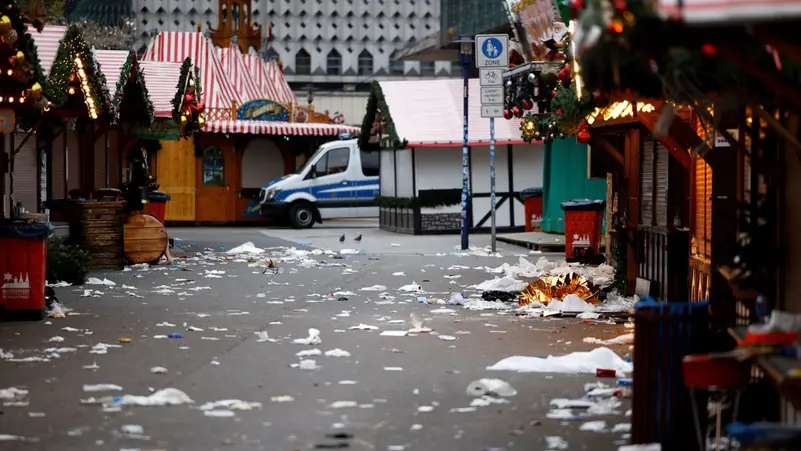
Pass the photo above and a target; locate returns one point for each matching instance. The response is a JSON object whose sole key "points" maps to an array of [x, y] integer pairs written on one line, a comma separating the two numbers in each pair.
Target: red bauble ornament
{"points": [[583, 137], [621, 6], [559, 112], [567, 67], [575, 8], [527, 104], [615, 27], [507, 114], [709, 50], [516, 111]]}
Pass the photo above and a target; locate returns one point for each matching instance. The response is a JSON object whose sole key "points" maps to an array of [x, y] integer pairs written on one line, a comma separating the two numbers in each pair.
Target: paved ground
{"points": [[226, 360]]}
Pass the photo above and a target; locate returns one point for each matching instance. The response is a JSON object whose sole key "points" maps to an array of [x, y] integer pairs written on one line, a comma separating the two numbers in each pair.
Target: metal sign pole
{"points": [[492, 177], [465, 155]]}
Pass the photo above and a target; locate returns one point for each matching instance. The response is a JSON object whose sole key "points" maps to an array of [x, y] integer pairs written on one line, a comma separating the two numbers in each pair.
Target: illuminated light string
{"points": [[618, 110], [85, 88]]}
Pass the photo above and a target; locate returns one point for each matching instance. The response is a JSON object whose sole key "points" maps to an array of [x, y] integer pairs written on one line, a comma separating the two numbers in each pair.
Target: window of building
{"points": [[333, 63], [456, 68], [365, 63], [334, 162], [427, 68], [396, 67], [302, 62], [370, 161], [213, 167], [272, 55]]}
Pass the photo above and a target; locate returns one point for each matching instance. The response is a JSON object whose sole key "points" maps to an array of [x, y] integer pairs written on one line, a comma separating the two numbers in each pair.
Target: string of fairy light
{"points": [[85, 88]]}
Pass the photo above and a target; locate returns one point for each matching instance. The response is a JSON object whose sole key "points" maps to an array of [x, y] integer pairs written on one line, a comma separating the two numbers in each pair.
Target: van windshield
{"points": [[309, 160]]}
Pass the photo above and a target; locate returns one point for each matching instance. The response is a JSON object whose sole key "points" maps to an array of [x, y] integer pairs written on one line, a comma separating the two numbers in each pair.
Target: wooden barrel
{"points": [[145, 238], [97, 227]]}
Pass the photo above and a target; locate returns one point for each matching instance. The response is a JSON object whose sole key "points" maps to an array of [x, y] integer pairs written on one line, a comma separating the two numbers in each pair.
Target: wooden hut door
{"points": [[175, 174], [214, 192]]}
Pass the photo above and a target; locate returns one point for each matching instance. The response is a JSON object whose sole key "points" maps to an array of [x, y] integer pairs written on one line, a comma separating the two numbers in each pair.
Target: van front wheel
{"points": [[301, 215]]}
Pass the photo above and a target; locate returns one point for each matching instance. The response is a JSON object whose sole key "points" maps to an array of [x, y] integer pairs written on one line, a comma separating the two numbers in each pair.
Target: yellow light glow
{"points": [[619, 110], [1, 99], [78, 62], [11, 99], [22, 100], [90, 101], [81, 73], [71, 91], [576, 69], [9, 72]]}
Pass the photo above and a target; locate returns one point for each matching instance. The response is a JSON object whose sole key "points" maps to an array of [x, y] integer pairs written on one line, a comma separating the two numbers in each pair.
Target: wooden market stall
{"points": [[417, 129], [248, 138]]}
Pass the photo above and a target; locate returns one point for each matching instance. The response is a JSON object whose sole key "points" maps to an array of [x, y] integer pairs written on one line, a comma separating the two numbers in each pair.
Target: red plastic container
{"points": [[532, 208], [705, 371], [23, 275], [583, 224], [157, 205]]}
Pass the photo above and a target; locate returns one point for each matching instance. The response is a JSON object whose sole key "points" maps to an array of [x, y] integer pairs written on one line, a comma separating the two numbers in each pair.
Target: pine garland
{"points": [[28, 77], [178, 99], [375, 104], [131, 84], [187, 103], [57, 87]]}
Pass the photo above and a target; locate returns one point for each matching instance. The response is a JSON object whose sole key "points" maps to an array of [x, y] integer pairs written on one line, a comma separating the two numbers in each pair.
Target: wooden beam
{"points": [[676, 148], [24, 140], [610, 149], [632, 205]]}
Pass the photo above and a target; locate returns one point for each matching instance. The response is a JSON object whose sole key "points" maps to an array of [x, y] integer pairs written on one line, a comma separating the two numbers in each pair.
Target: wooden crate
{"points": [[97, 226]]}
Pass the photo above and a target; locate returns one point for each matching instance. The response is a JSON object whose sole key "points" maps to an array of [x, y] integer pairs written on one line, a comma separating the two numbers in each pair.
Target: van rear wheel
{"points": [[301, 215]]}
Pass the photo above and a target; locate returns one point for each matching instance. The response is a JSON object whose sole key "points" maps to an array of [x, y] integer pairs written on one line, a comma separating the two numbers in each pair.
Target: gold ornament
{"points": [[36, 90], [5, 23], [183, 118], [201, 121], [20, 57]]}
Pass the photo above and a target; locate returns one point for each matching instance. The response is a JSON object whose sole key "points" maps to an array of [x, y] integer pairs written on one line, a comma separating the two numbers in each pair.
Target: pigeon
{"points": [[358, 239], [342, 239]]}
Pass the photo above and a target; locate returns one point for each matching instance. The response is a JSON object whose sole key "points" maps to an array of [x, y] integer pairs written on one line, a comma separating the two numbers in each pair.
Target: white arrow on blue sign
{"points": [[492, 51]]}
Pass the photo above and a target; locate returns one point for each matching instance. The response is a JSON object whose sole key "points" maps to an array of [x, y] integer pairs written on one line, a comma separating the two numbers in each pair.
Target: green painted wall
{"points": [[565, 178]]}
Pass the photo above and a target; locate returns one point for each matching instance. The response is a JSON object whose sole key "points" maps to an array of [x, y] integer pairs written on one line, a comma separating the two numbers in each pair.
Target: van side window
{"points": [[370, 164], [335, 161]]}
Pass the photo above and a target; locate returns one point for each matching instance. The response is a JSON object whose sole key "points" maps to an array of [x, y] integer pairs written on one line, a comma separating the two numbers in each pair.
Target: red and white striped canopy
{"points": [[238, 74], [47, 44], [161, 79], [173, 46], [258, 70], [278, 128], [721, 12], [284, 94], [111, 62]]}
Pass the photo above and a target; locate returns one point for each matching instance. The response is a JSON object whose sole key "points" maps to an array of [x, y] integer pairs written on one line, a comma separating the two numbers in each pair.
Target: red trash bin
{"points": [[583, 223], [23, 269], [157, 205], [532, 207]]}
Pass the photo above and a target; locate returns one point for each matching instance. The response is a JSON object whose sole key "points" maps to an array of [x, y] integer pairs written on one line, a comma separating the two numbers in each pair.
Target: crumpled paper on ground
{"points": [[574, 363]]}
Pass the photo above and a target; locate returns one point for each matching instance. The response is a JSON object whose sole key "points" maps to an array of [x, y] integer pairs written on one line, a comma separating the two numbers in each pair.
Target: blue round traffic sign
{"points": [[492, 48]]}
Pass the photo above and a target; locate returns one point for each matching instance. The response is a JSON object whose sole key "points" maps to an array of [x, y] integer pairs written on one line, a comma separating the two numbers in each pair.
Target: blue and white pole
{"points": [[465, 150], [492, 178]]}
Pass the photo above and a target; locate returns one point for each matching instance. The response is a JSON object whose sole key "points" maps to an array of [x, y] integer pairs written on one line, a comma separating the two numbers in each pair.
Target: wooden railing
{"points": [[652, 261], [700, 276]]}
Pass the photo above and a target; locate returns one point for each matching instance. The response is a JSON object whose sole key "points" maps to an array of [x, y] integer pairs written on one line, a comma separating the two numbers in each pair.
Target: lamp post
{"points": [[465, 57]]}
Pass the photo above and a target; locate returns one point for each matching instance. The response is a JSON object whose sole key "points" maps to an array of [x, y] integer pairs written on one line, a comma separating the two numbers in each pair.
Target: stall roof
{"points": [[278, 128], [111, 62], [47, 43], [174, 46], [238, 74], [161, 79], [429, 114], [258, 70], [284, 94]]}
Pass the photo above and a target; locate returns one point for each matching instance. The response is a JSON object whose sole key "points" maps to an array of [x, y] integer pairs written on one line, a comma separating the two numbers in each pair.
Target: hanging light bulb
{"points": [[71, 90]]}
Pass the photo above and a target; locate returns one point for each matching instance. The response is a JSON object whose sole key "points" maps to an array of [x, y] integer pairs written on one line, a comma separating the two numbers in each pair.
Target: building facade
{"points": [[333, 48]]}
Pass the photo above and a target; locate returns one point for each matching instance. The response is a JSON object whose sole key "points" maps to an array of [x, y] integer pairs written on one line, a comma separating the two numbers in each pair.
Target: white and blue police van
{"points": [[338, 181]]}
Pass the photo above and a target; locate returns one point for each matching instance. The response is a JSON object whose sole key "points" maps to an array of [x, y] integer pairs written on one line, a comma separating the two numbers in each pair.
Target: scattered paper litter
{"points": [[263, 337], [554, 443], [308, 365], [16, 438], [219, 413], [374, 288], [132, 429], [621, 427], [619, 340], [101, 387], [393, 368], [347, 382], [425, 409], [593, 426], [348, 252], [343, 404], [158, 370], [447, 337], [363, 327], [165, 397], [57, 310], [231, 404], [394, 333], [443, 311], [412, 288], [577, 362], [96, 281], [246, 248], [56, 339], [490, 387], [12, 394], [337, 353], [309, 352], [507, 283], [285, 398], [648, 447], [312, 339], [399, 274]]}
